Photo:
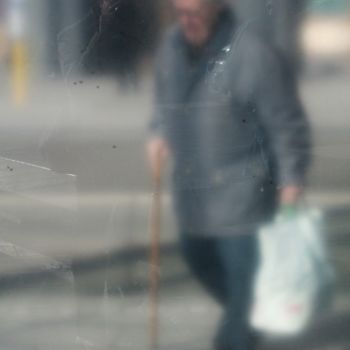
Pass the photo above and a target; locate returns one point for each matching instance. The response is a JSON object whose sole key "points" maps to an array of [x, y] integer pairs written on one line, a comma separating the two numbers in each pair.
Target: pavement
{"points": [[64, 286], [55, 317]]}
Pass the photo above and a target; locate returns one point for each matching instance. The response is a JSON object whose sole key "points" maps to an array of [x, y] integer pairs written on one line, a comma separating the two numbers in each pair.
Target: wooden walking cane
{"points": [[155, 227]]}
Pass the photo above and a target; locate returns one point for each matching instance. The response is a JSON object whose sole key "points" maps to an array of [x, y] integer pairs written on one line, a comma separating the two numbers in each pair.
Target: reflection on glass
{"points": [[198, 120]]}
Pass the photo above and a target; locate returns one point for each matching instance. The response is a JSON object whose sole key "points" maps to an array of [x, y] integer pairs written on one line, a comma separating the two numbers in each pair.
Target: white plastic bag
{"points": [[294, 271]]}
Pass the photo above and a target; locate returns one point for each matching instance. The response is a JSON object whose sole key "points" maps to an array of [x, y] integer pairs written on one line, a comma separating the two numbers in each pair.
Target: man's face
{"points": [[196, 18]]}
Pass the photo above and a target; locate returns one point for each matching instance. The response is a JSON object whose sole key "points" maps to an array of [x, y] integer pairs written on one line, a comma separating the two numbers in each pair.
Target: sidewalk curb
{"points": [[128, 268]]}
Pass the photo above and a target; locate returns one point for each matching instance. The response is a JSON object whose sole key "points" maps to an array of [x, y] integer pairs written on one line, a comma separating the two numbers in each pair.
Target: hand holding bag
{"points": [[293, 275]]}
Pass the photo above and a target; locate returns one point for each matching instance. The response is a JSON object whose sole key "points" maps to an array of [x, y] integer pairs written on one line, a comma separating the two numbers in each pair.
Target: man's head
{"points": [[196, 18]]}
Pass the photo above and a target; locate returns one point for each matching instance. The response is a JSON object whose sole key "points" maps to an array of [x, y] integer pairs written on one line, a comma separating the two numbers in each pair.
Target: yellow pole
{"points": [[18, 51], [19, 72]]}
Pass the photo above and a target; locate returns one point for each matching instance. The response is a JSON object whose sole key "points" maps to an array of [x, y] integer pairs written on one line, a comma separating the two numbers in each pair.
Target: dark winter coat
{"points": [[235, 126]]}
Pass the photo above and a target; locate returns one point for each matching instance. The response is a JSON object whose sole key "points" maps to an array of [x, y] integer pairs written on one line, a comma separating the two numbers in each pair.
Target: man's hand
{"points": [[290, 195], [157, 153]]}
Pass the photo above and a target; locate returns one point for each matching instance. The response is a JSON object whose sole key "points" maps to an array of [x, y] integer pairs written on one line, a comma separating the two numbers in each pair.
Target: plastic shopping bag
{"points": [[294, 273]]}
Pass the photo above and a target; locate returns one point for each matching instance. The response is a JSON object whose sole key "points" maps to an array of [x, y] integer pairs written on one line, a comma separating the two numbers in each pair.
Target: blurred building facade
{"points": [[278, 21]]}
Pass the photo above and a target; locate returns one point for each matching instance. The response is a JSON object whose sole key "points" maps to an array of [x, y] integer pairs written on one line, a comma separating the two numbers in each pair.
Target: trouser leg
{"points": [[201, 256], [239, 257]]}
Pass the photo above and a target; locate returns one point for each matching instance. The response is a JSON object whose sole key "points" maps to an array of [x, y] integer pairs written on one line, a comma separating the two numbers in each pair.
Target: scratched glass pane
{"points": [[174, 174]]}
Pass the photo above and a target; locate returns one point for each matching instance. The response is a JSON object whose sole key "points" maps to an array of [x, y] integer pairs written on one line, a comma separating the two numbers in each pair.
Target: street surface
{"points": [[69, 286]]}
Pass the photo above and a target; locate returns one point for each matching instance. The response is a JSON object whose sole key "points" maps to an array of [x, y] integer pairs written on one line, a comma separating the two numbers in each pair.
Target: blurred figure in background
{"points": [[117, 35], [228, 113]]}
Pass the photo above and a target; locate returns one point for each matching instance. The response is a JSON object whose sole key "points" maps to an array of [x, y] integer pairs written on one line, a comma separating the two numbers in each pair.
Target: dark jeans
{"points": [[225, 266]]}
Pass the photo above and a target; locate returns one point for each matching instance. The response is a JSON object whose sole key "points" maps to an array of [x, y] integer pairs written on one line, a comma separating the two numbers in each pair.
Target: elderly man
{"points": [[227, 112]]}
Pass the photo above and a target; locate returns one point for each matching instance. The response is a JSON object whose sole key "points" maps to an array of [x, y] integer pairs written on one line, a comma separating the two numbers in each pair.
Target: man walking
{"points": [[227, 112]]}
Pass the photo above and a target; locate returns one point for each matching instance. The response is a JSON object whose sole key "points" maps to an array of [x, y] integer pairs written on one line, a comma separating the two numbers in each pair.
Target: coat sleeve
{"points": [[283, 119]]}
